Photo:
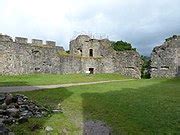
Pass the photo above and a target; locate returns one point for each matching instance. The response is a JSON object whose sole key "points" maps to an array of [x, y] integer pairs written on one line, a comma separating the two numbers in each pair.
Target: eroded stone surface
{"points": [[20, 57], [165, 59]]}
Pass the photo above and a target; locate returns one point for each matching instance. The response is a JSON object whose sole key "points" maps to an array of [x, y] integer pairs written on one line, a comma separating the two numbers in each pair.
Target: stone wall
{"points": [[105, 59], [165, 59], [21, 57]]}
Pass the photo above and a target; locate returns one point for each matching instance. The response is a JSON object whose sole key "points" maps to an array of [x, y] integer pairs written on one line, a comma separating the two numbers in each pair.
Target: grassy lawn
{"points": [[46, 79], [133, 107]]}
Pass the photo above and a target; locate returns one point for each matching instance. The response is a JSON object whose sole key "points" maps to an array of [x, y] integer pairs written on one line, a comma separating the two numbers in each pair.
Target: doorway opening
{"points": [[178, 68], [91, 70]]}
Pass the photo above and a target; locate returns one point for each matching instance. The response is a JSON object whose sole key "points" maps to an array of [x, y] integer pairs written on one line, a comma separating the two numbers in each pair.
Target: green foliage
{"points": [[122, 46], [145, 67]]}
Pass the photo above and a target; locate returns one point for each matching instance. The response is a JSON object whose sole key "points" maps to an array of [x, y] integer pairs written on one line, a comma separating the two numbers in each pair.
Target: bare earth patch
{"points": [[96, 128]]}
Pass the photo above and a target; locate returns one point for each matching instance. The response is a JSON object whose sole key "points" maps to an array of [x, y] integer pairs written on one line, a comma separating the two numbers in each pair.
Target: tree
{"points": [[145, 67], [122, 46]]}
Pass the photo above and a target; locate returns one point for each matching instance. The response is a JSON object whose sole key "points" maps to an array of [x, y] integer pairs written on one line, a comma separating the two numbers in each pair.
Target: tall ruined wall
{"points": [[20, 57], [128, 63], [105, 59], [165, 59]]}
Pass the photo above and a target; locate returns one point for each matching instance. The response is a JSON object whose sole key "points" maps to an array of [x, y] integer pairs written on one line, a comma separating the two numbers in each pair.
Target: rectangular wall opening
{"points": [[91, 52], [178, 68], [91, 70]]}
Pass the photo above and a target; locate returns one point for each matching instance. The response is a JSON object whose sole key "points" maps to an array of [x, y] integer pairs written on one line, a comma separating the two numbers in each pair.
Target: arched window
{"points": [[91, 52]]}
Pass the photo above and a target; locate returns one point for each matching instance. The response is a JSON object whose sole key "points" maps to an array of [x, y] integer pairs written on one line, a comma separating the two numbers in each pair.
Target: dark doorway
{"points": [[178, 68], [91, 52], [178, 73], [91, 70], [81, 52]]}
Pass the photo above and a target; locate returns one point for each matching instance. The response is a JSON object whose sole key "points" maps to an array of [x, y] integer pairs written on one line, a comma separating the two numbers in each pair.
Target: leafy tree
{"points": [[122, 46], [145, 67]]}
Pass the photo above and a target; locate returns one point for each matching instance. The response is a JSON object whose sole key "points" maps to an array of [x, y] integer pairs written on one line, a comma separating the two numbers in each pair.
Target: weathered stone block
{"points": [[21, 40]]}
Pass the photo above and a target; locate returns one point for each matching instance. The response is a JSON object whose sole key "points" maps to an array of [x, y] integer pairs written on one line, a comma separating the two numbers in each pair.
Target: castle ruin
{"points": [[86, 54], [165, 59]]}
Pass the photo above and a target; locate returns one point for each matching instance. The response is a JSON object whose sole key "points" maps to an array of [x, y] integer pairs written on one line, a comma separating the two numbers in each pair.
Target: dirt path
{"points": [[43, 87]]}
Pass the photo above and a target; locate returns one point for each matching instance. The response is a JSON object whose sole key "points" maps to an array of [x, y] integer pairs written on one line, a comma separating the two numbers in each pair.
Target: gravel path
{"points": [[43, 87]]}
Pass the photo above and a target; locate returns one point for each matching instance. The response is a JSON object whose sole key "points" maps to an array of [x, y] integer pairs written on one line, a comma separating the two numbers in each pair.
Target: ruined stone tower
{"points": [[165, 59]]}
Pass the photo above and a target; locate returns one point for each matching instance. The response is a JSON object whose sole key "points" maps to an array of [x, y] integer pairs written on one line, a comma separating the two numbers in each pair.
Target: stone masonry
{"points": [[165, 59], [86, 54]]}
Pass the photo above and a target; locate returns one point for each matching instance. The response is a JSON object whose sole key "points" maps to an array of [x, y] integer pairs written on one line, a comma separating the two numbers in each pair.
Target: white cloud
{"points": [[141, 22]]}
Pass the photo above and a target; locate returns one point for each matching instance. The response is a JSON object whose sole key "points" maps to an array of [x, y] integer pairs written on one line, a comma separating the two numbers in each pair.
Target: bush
{"points": [[122, 46], [145, 67]]}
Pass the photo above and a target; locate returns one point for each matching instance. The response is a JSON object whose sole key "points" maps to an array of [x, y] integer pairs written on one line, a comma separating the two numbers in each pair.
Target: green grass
{"points": [[135, 107], [50, 79]]}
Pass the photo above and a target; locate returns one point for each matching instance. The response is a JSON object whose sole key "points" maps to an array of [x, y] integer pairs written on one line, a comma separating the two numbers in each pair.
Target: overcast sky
{"points": [[143, 23]]}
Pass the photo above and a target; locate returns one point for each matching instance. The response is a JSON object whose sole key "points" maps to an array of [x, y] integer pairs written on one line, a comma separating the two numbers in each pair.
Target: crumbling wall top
{"points": [[51, 43], [37, 41], [173, 38], [5, 38], [21, 40]]}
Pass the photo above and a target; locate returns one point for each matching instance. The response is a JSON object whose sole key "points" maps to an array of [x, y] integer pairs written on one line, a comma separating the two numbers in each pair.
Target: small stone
{"points": [[8, 99], [2, 98], [14, 99], [57, 111], [64, 131], [3, 129], [48, 129], [3, 112], [23, 120], [13, 112], [9, 121], [1, 120], [4, 106]]}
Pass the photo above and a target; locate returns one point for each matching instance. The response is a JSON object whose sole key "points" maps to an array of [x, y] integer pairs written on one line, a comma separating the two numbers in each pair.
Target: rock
{"points": [[9, 121], [14, 99], [1, 120], [17, 109], [3, 130], [48, 129], [3, 106], [23, 120], [3, 112], [24, 107], [64, 131], [2, 97], [13, 112], [57, 111], [8, 99]]}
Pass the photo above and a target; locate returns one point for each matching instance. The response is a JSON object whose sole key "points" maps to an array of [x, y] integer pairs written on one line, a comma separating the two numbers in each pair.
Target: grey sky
{"points": [[143, 23]]}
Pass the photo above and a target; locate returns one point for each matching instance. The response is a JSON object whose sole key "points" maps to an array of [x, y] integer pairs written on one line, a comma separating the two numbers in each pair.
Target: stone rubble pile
{"points": [[17, 109]]}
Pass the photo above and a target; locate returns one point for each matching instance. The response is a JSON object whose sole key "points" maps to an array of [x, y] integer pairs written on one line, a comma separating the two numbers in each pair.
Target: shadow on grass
{"points": [[47, 98], [13, 83], [146, 110]]}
